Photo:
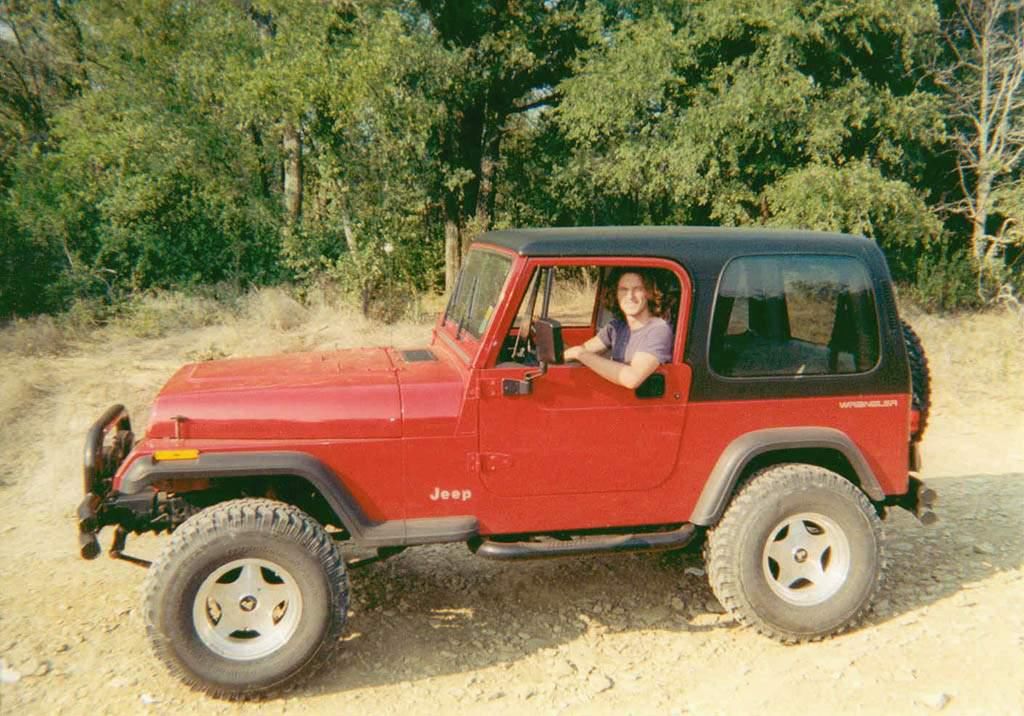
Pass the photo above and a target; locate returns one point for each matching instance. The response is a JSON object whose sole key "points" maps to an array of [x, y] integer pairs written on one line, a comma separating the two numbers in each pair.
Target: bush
{"points": [[35, 336], [944, 280], [157, 313], [275, 307]]}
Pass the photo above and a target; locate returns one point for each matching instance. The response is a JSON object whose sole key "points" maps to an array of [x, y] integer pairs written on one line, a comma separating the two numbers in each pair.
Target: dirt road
{"points": [[439, 630]]}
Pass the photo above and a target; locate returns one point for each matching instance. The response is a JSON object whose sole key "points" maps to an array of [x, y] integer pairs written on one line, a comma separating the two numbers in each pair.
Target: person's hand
{"points": [[573, 353]]}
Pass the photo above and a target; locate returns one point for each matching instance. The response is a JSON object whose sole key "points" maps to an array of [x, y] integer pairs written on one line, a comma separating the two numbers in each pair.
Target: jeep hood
{"points": [[308, 396]]}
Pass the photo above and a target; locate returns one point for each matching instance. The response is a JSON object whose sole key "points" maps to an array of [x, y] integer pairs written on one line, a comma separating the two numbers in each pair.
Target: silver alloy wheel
{"points": [[806, 559], [247, 609]]}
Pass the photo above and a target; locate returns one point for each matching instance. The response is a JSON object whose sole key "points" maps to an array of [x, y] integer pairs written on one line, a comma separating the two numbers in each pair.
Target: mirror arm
{"points": [[543, 368], [524, 385]]}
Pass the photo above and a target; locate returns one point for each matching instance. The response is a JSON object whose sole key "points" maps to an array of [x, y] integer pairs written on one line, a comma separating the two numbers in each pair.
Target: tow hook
{"points": [[117, 549]]}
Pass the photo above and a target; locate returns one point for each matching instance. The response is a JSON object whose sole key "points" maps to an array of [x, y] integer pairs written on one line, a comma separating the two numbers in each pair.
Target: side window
{"points": [[572, 296], [794, 315], [577, 291]]}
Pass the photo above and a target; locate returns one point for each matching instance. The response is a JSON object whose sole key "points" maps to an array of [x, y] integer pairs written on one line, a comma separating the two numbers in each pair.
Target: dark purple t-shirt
{"points": [[655, 338]]}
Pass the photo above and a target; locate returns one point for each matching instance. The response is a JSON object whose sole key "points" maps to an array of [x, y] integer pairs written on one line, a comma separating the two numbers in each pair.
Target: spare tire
{"points": [[920, 378]]}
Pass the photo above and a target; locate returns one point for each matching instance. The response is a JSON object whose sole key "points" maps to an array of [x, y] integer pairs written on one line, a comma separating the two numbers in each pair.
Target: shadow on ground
{"points": [[439, 610]]}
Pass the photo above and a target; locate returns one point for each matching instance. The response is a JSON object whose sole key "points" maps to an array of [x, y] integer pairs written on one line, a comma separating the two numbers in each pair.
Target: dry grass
{"points": [[977, 415], [36, 336], [572, 302], [976, 359], [160, 313]]}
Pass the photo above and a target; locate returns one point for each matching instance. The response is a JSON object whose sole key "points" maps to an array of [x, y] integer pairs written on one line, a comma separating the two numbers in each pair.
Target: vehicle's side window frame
{"points": [[518, 293], [719, 324]]}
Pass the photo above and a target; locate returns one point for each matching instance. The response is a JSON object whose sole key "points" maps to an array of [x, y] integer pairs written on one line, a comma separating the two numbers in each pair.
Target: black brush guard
{"points": [[107, 443]]}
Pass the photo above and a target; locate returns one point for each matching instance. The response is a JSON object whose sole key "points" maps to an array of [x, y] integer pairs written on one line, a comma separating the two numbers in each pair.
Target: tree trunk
{"points": [[490, 148], [265, 169], [485, 196], [350, 235], [452, 251], [979, 218], [462, 149], [292, 145]]}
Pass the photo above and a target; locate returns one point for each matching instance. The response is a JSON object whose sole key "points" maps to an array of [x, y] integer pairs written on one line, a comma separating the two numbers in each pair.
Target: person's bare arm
{"points": [[628, 375], [593, 345]]}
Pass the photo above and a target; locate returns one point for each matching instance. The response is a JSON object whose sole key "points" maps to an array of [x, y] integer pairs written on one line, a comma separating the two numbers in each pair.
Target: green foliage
{"points": [[27, 269], [1008, 208], [726, 97], [145, 182], [146, 145], [944, 280], [856, 199], [383, 276]]}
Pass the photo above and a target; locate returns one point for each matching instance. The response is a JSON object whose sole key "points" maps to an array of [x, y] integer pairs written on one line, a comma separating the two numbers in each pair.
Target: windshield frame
{"points": [[467, 331]]}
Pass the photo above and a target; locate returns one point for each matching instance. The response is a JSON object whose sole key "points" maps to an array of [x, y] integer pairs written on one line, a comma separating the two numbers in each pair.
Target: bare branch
{"points": [[984, 88], [1016, 157], [968, 194], [21, 47], [544, 101]]}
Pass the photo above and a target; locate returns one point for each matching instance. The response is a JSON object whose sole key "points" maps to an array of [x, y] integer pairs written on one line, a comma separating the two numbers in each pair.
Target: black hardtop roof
{"points": [[666, 240]]}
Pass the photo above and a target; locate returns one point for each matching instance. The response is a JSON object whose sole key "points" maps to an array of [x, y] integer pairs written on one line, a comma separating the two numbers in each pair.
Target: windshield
{"points": [[477, 292]]}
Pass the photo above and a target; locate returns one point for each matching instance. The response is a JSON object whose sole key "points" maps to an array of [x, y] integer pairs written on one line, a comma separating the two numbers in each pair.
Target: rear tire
{"points": [[798, 555], [248, 596]]}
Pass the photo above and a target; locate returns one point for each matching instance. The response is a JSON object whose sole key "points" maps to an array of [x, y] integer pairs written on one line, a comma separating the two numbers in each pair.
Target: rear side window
{"points": [[794, 315]]}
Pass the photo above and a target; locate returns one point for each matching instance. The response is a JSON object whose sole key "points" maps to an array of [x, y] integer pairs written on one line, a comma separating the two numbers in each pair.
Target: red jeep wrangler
{"points": [[784, 424]]}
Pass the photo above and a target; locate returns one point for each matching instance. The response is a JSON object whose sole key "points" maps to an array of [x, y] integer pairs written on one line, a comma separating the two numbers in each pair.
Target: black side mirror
{"points": [[547, 339]]}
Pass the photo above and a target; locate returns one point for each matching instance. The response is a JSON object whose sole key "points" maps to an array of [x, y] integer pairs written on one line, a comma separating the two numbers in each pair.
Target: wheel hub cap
{"points": [[247, 609], [806, 558]]}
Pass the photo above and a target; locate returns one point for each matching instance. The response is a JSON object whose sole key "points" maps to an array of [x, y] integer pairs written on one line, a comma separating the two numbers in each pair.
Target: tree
{"points": [[146, 179], [167, 143], [717, 112], [372, 216], [42, 69], [984, 85], [507, 58], [275, 88], [42, 65]]}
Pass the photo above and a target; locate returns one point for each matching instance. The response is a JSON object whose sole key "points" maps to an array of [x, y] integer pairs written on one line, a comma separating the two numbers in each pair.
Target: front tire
{"points": [[798, 555], [248, 595]]}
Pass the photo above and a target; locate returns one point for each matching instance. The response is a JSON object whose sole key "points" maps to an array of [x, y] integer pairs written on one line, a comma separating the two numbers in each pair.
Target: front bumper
{"points": [[107, 443]]}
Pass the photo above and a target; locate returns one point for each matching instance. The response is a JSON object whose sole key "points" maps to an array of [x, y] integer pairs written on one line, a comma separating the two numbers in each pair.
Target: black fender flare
{"points": [[145, 471], [738, 454]]}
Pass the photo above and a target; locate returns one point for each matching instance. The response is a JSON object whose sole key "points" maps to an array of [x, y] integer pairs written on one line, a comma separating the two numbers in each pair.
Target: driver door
{"points": [[575, 432]]}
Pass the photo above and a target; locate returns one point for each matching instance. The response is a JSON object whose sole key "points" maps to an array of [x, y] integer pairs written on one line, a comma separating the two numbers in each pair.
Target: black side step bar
{"points": [[587, 544]]}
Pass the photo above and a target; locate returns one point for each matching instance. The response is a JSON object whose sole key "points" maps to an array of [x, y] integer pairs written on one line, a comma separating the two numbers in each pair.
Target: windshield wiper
{"points": [[455, 293], [469, 307]]}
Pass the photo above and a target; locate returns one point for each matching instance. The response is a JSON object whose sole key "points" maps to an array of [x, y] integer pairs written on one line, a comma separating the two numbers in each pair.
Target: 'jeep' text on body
{"points": [[439, 494]]}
